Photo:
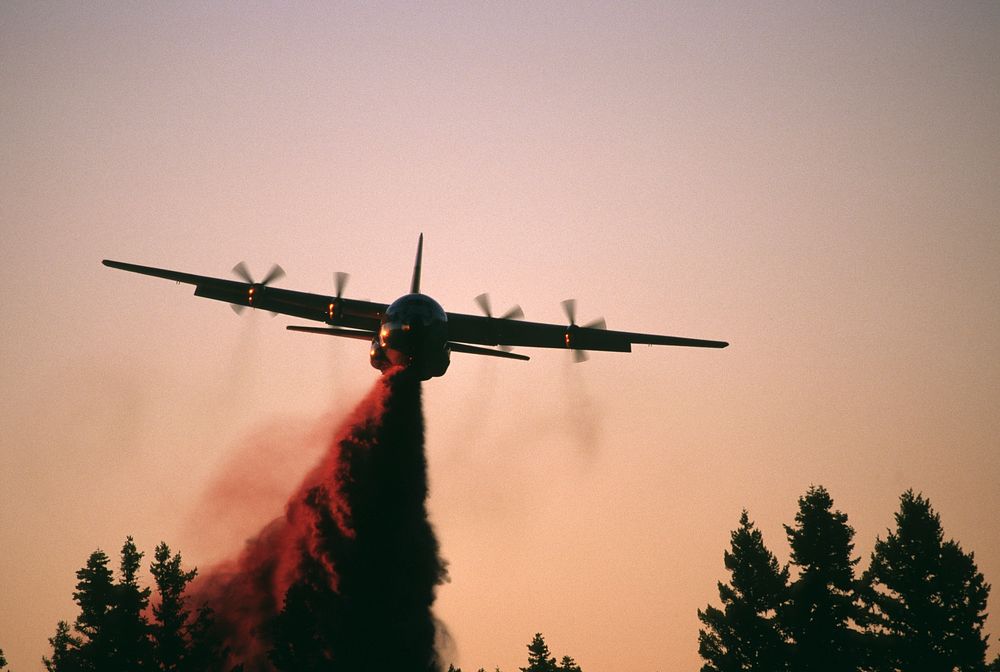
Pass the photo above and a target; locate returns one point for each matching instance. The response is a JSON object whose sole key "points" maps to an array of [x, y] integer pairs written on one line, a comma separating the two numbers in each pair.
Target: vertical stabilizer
{"points": [[415, 283]]}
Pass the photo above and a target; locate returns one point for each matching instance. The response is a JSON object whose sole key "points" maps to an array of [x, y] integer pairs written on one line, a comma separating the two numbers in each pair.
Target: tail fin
{"points": [[415, 283]]}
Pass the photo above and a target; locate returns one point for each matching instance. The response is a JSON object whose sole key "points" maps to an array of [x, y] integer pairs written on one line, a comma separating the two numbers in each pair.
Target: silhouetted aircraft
{"points": [[413, 331]]}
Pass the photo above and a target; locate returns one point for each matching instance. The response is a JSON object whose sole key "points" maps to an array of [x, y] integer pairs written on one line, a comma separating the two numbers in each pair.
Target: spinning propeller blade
{"points": [[242, 272], [569, 307]]}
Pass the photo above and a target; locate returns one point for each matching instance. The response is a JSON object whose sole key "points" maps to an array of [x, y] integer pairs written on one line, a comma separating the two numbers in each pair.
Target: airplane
{"points": [[413, 331]]}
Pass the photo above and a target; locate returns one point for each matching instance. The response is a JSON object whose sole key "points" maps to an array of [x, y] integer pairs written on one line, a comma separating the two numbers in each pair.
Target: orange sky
{"points": [[816, 184]]}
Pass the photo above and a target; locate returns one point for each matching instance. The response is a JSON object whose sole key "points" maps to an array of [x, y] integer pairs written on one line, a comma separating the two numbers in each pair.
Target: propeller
{"points": [[483, 300], [241, 271], [569, 307], [339, 282], [514, 313]]}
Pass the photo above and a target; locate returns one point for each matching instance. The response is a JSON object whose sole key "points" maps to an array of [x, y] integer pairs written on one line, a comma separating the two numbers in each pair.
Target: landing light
{"points": [[567, 339]]}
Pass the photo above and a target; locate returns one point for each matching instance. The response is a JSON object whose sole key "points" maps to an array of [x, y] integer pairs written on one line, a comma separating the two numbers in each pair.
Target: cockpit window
{"points": [[415, 309]]}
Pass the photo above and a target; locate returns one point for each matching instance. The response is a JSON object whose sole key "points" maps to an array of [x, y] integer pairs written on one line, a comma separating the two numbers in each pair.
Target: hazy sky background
{"points": [[818, 183]]}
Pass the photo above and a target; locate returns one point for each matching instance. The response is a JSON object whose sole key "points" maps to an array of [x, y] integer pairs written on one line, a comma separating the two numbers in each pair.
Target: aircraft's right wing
{"points": [[500, 331]]}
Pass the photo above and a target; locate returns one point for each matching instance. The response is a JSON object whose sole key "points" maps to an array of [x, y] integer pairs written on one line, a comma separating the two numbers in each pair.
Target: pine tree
{"points": [[925, 598], [3, 660], [129, 629], [65, 650], [745, 633], [170, 630], [95, 597], [821, 609], [113, 631], [539, 658], [567, 664], [305, 632], [205, 652], [182, 641]]}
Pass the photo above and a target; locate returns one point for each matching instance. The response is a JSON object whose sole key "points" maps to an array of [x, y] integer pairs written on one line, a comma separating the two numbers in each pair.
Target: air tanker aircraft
{"points": [[413, 331]]}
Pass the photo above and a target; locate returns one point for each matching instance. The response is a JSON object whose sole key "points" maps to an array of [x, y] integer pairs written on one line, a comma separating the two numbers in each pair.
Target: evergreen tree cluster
{"points": [[113, 630], [119, 627], [920, 605], [540, 659]]}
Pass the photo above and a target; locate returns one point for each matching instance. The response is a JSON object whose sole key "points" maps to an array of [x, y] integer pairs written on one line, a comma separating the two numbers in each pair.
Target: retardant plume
{"points": [[346, 579]]}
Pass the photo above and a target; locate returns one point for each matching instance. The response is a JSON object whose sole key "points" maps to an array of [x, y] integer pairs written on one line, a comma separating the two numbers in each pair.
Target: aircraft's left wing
{"points": [[500, 331], [319, 307]]}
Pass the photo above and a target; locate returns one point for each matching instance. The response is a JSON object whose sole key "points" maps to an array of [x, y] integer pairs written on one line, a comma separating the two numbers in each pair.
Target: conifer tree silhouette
{"points": [[95, 597], [539, 657], [821, 608], [567, 664], [182, 641], [170, 611], [128, 629], [925, 598], [745, 634], [113, 631], [65, 651]]}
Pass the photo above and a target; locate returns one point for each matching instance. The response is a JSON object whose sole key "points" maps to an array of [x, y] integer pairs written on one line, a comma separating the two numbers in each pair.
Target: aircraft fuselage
{"points": [[413, 333]]}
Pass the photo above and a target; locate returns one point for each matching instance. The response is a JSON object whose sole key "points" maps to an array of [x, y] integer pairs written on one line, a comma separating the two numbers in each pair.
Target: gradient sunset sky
{"points": [[816, 182]]}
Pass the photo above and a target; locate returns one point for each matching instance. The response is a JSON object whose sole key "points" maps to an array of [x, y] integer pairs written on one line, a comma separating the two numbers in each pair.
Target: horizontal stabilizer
{"points": [[334, 331], [473, 350]]}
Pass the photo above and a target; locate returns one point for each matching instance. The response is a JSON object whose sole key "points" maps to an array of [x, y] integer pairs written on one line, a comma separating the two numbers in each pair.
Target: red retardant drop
{"points": [[345, 580]]}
